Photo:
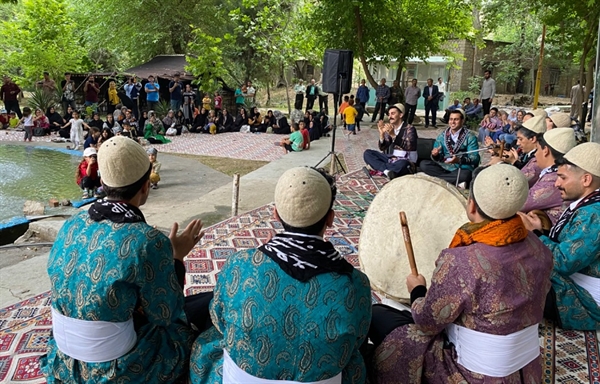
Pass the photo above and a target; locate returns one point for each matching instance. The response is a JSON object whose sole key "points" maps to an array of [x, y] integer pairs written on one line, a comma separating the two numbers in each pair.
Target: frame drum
{"points": [[434, 211]]}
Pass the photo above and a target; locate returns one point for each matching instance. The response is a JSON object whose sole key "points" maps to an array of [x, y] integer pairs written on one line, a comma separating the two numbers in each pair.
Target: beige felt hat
{"points": [[399, 106], [586, 156], [500, 191], [122, 162], [536, 124], [561, 139], [539, 112], [302, 197], [561, 119], [462, 112]]}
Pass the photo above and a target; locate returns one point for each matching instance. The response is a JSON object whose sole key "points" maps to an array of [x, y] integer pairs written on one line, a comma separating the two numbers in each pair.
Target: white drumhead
{"points": [[434, 211]]}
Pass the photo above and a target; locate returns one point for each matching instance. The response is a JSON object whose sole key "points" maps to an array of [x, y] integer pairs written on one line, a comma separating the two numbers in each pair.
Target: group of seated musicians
{"points": [[294, 310]]}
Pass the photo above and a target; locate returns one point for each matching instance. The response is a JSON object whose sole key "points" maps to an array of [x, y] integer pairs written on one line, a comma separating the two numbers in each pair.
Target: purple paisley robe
{"points": [[543, 195], [532, 171], [496, 290]]}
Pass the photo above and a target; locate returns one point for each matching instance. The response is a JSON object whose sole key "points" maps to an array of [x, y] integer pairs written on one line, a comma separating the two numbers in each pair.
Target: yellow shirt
{"points": [[206, 103], [350, 114], [113, 99]]}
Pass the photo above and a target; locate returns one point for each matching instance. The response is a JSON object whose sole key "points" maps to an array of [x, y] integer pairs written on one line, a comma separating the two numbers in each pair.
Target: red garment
{"points": [[306, 138], [3, 121], [9, 92], [91, 94], [83, 171], [218, 102]]}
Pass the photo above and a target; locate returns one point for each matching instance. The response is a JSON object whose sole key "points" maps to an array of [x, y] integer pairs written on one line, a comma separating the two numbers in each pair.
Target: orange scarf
{"points": [[496, 233]]}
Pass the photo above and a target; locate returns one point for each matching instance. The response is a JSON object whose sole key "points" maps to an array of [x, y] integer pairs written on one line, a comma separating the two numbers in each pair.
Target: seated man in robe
{"points": [[294, 309], [117, 285], [455, 139], [398, 145], [478, 321], [544, 195], [574, 300]]}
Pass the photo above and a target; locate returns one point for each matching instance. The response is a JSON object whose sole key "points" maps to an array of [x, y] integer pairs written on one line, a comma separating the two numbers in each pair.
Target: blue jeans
{"points": [[175, 105]]}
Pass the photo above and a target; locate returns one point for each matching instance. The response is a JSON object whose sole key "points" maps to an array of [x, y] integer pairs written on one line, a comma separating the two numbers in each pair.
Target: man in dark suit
{"points": [[431, 95], [312, 92]]}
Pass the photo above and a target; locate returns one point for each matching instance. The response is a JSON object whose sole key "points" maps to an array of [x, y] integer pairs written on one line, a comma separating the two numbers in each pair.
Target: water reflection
{"points": [[28, 173]]}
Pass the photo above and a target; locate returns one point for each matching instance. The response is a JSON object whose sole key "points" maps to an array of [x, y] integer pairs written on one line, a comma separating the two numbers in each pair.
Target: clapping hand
{"points": [[183, 244]]}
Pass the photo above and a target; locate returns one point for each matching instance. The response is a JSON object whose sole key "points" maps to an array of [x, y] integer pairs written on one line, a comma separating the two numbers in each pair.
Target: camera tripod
{"points": [[335, 162]]}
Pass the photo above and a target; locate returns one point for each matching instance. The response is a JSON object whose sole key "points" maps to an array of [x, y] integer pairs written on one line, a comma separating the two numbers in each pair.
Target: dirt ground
{"points": [[226, 165]]}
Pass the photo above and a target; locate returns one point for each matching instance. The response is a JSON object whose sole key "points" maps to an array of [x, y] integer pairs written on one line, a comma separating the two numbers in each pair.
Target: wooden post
{"points": [[235, 196], [538, 79]]}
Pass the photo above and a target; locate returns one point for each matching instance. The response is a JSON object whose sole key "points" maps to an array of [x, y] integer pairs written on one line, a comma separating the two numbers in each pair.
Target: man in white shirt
{"points": [[299, 89], [488, 92]]}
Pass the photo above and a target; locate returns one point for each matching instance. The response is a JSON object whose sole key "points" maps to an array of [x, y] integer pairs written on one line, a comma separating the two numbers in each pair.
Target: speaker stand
{"points": [[335, 161]]}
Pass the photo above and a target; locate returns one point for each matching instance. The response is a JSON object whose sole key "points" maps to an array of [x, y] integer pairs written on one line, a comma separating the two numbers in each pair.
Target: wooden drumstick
{"points": [[408, 244]]}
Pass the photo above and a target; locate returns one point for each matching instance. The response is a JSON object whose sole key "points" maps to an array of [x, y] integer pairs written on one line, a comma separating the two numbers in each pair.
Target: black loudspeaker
{"points": [[337, 67], [424, 148]]}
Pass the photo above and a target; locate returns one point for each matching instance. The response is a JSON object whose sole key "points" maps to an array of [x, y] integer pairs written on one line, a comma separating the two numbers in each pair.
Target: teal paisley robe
{"points": [[577, 250], [105, 271], [275, 327]]}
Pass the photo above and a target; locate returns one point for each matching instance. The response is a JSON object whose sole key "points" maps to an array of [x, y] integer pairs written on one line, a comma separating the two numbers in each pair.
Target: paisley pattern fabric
{"points": [[543, 195], [105, 271], [467, 141], [532, 171], [496, 290], [577, 250], [276, 327]]}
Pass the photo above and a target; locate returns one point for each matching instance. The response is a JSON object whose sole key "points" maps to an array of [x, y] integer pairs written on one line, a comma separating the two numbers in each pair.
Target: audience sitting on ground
{"points": [[475, 112], [314, 127], [305, 135], [96, 121], [154, 130], [296, 116], [489, 125], [199, 121], [13, 120], [240, 121], [211, 123], [281, 127], [55, 119], [106, 134], [295, 142], [110, 123], [255, 120], [3, 119], [268, 122], [69, 114], [512, 117], [170, 124], [41, 124], [142, 123], [452, 108], [324, 123], [87, 173], [92, 139], [225, 122]]}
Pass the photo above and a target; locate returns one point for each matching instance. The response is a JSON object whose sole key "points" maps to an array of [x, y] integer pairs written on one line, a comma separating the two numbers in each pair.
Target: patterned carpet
{"points": [[569, 357]]}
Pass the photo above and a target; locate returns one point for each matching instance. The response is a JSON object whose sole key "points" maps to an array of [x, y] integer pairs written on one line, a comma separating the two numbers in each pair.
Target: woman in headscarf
{"points": [[268, 122], [282, 127], [110, 123], [199, 121], [240, 120], [113, 98], [154, 130], [55, 119], [255, 120]]}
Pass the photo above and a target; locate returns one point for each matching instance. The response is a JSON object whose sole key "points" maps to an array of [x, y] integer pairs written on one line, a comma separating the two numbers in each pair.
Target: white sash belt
{"points": [[232, 374], [92, 341], [494, 355], [589, 283]]}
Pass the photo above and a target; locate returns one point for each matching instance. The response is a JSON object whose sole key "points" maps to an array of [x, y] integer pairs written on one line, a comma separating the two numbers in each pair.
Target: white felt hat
{"points": [[500, 191], [302, 197], [586, 156], [561, 119], [122, 162], [561, 139], [539, 112], [536, 124], [400, 107], [462, 112]]}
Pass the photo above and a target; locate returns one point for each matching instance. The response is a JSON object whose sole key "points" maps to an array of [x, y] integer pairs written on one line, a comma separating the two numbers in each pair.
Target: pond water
{"points": [[34, 173]]}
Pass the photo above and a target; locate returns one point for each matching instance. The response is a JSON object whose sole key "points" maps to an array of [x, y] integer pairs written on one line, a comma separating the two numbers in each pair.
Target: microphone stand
{"points": [[334, 157]]}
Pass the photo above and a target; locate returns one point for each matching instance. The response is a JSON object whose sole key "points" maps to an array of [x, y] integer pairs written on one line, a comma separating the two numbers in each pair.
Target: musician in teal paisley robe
{"points": [[293, 309], [108, 265], [575, 243]]}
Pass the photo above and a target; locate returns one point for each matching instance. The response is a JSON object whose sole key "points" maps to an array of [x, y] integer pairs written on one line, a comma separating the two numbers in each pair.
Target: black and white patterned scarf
{"points": [[115, 211], [304, 256], [592, 198], [450, 144]]}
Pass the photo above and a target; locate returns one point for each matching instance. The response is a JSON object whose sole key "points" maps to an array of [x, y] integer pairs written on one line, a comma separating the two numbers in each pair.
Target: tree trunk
{"points": [[532, 82], [361, 47], [268, 95], [287, 92]]}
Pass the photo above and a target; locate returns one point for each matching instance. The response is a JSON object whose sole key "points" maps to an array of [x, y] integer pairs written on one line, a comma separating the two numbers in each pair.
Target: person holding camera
{"points": [[68, 92], [91, 90], [47, 85]]}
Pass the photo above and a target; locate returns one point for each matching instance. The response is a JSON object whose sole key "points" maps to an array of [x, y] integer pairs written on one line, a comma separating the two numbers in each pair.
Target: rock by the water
{"points": [[33, 208]]}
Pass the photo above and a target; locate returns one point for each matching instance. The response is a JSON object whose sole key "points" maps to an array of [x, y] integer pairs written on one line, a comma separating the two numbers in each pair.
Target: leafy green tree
{"points": [[389, 30], [40, 36]]}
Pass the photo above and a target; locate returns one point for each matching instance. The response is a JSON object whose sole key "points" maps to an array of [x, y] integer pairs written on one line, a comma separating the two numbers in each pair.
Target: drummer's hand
{"points": [[531, 221], [452, 160], [435, 151], [183, 244], [488, 141], [413, 281], [495, 160]]}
